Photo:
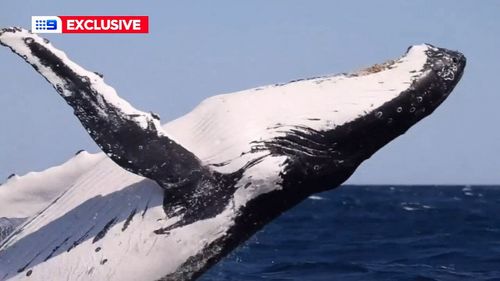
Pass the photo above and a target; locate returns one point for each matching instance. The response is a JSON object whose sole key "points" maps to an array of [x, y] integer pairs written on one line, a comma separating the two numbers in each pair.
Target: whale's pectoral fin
{"points": [[132, 138]]}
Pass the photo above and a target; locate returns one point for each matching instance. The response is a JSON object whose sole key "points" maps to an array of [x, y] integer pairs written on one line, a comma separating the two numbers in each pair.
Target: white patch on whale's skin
{"points": [[61, 243], [25, 196]]}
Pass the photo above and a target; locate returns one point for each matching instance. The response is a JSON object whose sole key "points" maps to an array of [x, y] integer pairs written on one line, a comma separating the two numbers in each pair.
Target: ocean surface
{"points": [[377, 233]]}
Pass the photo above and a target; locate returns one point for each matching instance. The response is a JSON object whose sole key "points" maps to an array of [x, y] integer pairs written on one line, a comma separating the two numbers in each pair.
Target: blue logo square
{"points": [[51, 24]]}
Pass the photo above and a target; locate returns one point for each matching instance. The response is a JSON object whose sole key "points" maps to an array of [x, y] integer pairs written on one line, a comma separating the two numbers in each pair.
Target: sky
{"points": [[197, 50]]}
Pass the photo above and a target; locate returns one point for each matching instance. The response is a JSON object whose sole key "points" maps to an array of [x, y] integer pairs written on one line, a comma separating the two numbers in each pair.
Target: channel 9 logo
{"points": [[46, 24]]}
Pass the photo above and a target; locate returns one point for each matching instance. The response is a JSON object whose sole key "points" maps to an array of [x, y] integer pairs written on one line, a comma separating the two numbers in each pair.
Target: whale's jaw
{"points": [[347, 146]]}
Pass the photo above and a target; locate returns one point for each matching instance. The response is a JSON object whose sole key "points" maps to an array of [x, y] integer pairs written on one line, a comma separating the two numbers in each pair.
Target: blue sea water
{"points": [[377, 233]]}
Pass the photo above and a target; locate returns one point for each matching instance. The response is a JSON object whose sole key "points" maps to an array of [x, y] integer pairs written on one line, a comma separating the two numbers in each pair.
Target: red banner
{"points": [[105, 24]]}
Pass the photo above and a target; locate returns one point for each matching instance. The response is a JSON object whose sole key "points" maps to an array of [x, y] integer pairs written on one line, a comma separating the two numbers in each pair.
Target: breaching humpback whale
{"points": [[168, 202]]}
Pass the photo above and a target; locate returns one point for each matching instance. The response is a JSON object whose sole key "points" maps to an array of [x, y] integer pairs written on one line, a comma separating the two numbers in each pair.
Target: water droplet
{"points": [[420, 99], [412, 109], [379, 114], [399, 109], [29, 40]]}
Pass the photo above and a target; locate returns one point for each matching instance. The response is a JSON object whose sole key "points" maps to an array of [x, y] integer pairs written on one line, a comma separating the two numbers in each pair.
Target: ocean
{"points": [[377, 233]]}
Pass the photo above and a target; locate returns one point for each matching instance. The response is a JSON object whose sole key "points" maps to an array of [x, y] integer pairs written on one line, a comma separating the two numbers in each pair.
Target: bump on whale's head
{"points": [[445, 68]]}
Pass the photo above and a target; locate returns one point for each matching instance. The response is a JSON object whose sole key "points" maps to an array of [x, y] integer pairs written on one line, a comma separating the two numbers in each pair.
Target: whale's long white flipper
{"points": [[121, 131], [227, 168]]}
